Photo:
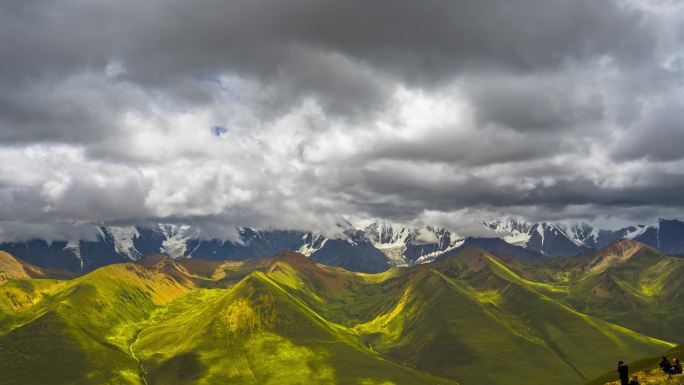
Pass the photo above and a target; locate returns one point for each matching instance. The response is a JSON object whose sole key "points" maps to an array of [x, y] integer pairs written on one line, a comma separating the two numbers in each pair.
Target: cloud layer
{"points": [[296, 114]]}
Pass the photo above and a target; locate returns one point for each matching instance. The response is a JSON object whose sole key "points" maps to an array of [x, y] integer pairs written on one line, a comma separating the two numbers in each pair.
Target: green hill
{"points": [[469, 312], [632, 285], [470, 318], [256, 332], [74, 333]]}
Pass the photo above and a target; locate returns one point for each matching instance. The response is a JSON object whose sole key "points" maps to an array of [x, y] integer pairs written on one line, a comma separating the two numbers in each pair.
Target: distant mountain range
{"points": [[554, 239], [373, 248]]}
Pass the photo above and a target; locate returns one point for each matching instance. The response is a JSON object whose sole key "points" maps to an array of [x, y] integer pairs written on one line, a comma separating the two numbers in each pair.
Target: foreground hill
{"points": [[71, 332], [469, 318]]}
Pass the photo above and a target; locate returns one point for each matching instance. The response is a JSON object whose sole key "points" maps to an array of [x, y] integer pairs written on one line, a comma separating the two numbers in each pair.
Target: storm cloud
{"points": [[426, 112]]}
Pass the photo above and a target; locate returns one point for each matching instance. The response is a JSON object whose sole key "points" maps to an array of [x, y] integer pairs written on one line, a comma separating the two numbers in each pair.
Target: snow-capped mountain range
{"points": [[372, 248], [555, 239]]}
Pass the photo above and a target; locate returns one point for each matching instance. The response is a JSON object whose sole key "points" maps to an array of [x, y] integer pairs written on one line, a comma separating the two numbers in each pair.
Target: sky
{"points": [[299, 114]]}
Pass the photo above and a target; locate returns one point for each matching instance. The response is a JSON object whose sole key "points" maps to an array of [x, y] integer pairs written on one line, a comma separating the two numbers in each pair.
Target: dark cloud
{"points": [[659, 136], [80, 109], [469, 147], [452, 191], [383, 108], [538, 103], [312, 47]]}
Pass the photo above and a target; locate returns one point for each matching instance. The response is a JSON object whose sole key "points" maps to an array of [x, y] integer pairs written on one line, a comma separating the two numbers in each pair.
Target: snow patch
{"points": [[430, 257], [75, 247], [176, 243], [540, 231], [570, 232], [123, 241], [395, 254], [517, 238], [594, 234], [310, 248], [513, 231], [640, 229]]}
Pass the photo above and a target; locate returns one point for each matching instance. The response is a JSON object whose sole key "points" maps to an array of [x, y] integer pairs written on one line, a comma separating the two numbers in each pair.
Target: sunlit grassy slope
{"points": [[470, 318], [257, 332], [71, 335]]}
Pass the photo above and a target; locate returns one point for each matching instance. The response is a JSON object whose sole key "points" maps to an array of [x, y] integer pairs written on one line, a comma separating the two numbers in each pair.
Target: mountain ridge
{"points": [[373, 248]]}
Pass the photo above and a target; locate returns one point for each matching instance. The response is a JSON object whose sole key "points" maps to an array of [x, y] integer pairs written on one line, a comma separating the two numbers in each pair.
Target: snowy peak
{"points": [[513, 231], [555, 239], [371, 248], [312, 243], [580, 234], [383, 233], [405, 246], [551, 239], [508, 225]]}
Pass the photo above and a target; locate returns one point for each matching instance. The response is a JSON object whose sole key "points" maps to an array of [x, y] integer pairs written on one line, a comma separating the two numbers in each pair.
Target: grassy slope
{"points": [[654, 377], [12, 268], [256, 332], [74, 331], [469, 312], [440, 327], [470, 318], [646, 369], [628, 284]]}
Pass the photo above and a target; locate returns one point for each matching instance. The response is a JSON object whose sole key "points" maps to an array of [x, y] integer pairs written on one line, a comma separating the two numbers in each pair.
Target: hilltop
{"points": [[12, 268], [647, 370]]}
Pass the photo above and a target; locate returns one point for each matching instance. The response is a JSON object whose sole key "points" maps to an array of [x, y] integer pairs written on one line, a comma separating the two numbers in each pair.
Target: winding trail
{"points": [[140, 365]]}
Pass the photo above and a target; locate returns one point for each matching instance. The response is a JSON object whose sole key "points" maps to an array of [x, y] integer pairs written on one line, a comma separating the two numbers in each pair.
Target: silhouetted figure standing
{"points": [[676, 366], [665, 365], [623, 372]]}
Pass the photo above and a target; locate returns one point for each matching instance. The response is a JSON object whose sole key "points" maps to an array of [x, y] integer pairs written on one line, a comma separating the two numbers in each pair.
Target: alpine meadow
{"points": [[341, 192]]}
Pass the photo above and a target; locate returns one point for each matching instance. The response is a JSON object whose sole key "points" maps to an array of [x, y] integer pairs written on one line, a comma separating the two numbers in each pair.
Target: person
{"points": [[676, 366], [635, 381], [623, 372], [665, 365]]}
